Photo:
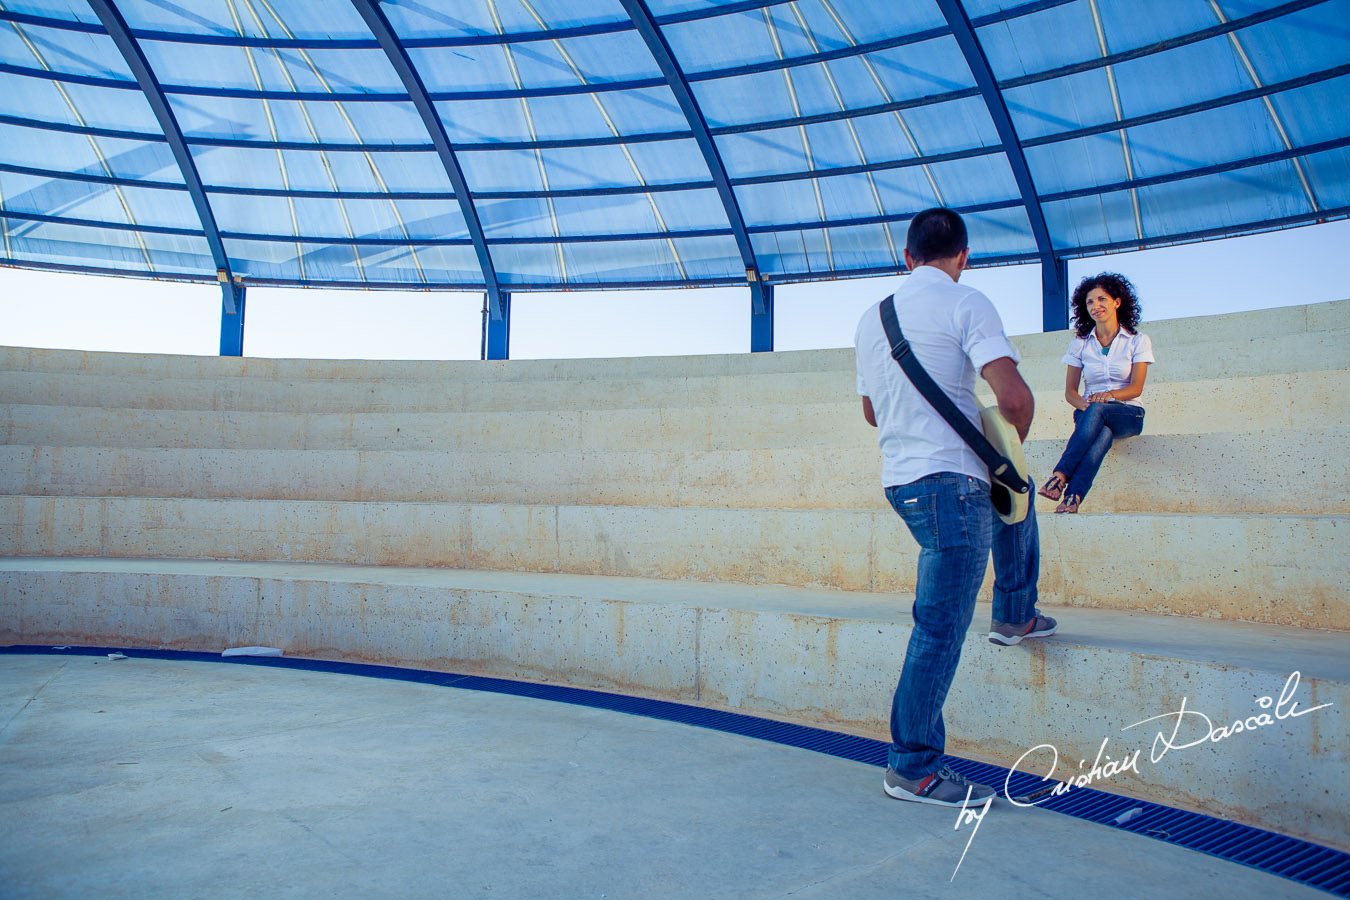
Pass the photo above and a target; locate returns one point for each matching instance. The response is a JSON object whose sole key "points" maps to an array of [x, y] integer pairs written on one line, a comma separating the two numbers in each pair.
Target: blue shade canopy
{"points": [[509, 145]]}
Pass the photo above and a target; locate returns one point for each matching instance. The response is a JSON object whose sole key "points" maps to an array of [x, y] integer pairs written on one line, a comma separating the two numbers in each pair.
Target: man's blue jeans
{"points": [[955, 524], [1094, 429]]}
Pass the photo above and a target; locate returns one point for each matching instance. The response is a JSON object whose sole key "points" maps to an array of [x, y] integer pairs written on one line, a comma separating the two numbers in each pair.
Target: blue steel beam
{"points": [[609, 140], [660, 187], [1229, 27], [232, 327], [199, 90], [479, 40], [1054, 293], [50, 175], [1059, 196], [475, 40], [761, 319], [684, 95], [466, 40], [504, 240], [1165, 240], [1316, 217], [675, 186], [789, 62], [1192, 37], [966, 39], [314, 43], [140, 67], [527, 37], [398, 57], [497, 333], [600, 238], [1218, 102], [1176, 112]]}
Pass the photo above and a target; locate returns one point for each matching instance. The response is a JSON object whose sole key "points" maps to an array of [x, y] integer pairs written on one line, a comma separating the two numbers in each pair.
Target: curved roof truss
{"points": [[684, 95], [964, 32], [117, 29], [417, 91], [612, 143]]}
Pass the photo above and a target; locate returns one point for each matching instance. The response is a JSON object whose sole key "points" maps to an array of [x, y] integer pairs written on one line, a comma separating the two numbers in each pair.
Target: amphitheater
{"points": [[710, 531], [631, 627]]}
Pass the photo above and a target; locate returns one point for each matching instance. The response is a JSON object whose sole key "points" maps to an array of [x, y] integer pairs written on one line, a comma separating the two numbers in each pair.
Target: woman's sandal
{"points": [[1069, 504], [1054, 488]]}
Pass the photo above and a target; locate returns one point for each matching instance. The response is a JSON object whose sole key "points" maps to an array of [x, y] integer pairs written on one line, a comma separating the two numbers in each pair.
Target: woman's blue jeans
{"points": [[1094, 429], [955, 524]]}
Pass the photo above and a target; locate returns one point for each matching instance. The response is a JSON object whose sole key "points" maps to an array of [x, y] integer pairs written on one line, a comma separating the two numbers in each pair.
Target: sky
{"points": [[1309, 264]]}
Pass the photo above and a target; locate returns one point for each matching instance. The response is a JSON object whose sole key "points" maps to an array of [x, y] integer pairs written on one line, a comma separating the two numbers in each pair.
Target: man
{"points": [[941, 489]]}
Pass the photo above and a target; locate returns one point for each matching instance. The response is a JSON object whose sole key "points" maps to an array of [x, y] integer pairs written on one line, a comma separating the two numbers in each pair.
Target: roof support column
{"points": [[1054, 293], [497, 329], [232, 319], [761, 317]]}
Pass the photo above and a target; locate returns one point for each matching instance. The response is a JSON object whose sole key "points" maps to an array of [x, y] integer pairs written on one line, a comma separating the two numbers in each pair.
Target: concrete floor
{"points": [[154, 778]]}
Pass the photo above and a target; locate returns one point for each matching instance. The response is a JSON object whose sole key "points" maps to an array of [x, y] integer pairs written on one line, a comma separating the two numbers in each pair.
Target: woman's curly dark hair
{"points": [[1119, 287]]}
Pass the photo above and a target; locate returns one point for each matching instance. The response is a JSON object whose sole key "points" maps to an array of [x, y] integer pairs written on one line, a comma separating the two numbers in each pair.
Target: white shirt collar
{"points": [[931, 273]]}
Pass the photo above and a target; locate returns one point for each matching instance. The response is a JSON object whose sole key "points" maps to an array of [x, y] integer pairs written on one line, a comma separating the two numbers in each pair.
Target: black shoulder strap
{"points": [[999, 465]]}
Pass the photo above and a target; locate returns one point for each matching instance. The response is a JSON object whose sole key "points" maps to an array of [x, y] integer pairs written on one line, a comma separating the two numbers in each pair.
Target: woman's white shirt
{"points": [[1109, 371]]}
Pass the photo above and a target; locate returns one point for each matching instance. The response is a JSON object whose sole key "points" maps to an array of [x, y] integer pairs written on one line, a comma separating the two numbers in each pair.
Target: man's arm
{"points": [[1013, 395], [868, 413]]}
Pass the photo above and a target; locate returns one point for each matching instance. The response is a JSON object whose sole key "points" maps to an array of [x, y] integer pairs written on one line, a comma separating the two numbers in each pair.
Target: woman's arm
{"points": [[1138, 372], [1073, 378]]}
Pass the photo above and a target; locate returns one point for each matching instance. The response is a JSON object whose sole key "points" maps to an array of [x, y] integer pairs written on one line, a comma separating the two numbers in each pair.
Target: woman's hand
{"points": [[1138, 372]]}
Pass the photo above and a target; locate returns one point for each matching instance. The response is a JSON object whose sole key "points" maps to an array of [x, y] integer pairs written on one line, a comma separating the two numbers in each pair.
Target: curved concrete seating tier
{"points": [[1277, 569], [732, 504]]}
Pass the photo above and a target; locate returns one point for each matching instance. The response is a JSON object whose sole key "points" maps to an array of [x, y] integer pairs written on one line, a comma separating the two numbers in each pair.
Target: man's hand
{"points": [[868, 412], [1011, 391]]}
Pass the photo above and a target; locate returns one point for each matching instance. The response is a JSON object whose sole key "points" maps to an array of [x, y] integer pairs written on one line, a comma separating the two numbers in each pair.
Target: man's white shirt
{"points": [[954, 332]]}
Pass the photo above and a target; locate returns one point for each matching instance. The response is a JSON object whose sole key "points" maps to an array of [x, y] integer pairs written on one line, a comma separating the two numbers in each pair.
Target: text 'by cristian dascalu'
{"points": [[1201, 730]]}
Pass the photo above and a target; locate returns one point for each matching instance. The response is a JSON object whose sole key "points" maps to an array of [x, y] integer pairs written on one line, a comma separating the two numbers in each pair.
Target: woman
{"points": [[1114, 359]]}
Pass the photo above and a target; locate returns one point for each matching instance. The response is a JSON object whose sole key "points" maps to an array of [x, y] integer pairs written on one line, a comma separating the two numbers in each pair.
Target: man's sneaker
{"points": [[943, 788], [1008, 633]]}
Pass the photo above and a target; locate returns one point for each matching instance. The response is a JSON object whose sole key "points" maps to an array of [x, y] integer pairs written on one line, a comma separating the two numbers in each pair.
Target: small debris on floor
{"points": [[251, 651]]}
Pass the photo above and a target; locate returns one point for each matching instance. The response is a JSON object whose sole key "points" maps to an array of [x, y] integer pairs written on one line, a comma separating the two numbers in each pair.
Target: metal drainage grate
{"points": [[1291, 858]]}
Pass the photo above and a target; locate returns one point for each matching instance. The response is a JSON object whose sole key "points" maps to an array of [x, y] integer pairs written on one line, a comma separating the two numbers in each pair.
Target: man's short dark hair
{"points": [[936, 233]]}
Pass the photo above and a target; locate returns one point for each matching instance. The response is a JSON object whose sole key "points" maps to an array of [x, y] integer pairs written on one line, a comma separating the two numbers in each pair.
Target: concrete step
{"points": [[340, 394], [1176, 334], [820, 374], [725, 417], [1263, 568], [1248, 473], [1215, 473], [1232, 328], [1209, 361], [168, 367], [1302, 400], [817, 424], [820, 658]]}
